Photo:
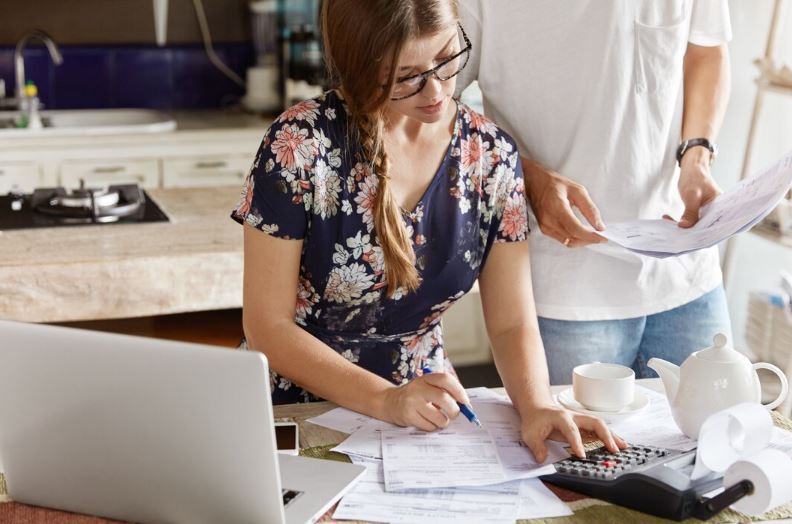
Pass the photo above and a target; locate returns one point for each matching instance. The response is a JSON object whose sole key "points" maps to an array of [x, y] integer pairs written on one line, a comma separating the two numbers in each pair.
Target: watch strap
{"points": [[686, 145]]}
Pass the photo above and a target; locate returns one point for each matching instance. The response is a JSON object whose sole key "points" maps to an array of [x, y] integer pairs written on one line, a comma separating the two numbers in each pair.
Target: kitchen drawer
{"points": [[97, 173], [21, 176], [208, 171]]}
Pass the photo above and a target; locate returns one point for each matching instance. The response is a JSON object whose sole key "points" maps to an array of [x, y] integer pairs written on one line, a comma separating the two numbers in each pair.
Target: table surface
{"points": [[312, 435], [587, 510]]}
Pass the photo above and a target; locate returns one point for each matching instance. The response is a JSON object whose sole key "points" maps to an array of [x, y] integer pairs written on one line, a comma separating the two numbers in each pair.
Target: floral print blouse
{"points": [[310, 181]]}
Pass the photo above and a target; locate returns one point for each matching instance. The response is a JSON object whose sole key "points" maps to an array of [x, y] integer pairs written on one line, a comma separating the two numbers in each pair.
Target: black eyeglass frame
{"points": [[429, 72]]}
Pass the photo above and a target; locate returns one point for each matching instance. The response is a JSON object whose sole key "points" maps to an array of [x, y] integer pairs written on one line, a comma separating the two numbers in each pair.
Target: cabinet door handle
{"points": [[211, 164], [109, 169]]}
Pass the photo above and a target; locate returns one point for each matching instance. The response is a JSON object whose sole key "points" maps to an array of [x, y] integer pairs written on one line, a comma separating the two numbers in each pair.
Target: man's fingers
{"points": [[689, 217], [575, 228], [563, 237], [581, 200], [553, 232]]}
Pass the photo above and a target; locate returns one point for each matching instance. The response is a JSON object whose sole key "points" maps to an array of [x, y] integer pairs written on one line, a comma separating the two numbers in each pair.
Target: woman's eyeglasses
{"points": [[408, 86]]}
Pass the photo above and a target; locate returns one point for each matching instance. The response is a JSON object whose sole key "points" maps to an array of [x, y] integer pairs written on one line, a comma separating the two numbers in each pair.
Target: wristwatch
{"points": [[693, 142]]}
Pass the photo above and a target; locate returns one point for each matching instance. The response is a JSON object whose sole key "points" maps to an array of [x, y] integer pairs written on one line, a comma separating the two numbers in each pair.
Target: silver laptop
{"points": [[150, 431]]}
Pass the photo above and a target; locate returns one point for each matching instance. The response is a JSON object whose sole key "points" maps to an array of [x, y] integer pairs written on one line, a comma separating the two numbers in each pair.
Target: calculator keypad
{"points": [[602, 464]]}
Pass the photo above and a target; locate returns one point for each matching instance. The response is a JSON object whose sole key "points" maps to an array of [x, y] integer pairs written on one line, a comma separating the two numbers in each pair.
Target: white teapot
{"points": [[710, 380]]}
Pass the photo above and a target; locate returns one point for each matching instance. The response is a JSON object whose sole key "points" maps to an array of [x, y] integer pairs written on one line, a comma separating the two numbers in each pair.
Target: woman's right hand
{"points": [[428, 402]]}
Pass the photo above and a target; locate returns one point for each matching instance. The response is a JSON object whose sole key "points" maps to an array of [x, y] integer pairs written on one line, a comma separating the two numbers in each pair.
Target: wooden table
{"points": [[587, 510]]}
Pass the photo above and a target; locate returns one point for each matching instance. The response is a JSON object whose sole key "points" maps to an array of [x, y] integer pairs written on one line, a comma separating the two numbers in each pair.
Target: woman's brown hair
{"points": [[360, 36]]}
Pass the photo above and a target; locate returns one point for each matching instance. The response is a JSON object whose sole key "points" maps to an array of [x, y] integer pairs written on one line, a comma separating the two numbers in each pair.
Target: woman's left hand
{"points": [[556, 423]]}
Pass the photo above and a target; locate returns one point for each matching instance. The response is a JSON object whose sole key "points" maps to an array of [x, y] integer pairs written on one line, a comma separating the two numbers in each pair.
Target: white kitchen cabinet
{"points": [[22, 176], [465, 333], [207, 171], [98, 173]]}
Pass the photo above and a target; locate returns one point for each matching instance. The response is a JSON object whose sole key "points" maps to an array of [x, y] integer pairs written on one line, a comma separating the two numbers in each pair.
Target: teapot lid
{"points": [[720, 352]]}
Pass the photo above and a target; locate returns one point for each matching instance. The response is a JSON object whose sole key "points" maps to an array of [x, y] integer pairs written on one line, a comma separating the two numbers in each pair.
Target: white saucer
{"points": [[640, 402]]}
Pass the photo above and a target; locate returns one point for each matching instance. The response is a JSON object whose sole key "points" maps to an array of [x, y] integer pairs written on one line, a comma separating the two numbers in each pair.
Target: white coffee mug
{"points": [[603, 387]]}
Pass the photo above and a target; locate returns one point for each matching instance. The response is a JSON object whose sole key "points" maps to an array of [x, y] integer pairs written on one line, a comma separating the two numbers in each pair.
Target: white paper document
{"points": [[368, 501], [365, 442], [343, 420], [653, 427], [502, 421], [732, 212], [455, 456], [498, 418], [507, 502]]}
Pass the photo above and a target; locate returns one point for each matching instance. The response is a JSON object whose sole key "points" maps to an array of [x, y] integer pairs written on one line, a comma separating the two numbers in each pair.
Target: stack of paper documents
{"points": [[466, 474], [461, 474], [735, 211]]}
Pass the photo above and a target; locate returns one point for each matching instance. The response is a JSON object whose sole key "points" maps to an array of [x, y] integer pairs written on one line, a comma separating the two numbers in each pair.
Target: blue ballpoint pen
{"points": [[463, 408]]}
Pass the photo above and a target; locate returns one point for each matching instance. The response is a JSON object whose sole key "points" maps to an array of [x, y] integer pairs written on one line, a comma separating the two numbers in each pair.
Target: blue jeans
{"points": [[671, 335]]}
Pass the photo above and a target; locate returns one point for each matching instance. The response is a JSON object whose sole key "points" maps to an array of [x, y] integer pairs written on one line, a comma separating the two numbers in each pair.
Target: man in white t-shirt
{"points": [[603, 97]]}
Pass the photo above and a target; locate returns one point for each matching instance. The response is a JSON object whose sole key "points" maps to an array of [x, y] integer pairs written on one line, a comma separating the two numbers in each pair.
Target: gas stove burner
{"points": [[55, 206], [87, 205], [91, 197]]}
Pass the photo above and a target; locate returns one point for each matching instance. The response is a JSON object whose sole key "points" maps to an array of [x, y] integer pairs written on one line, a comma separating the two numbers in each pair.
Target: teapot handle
{"points": [[784, 384]]}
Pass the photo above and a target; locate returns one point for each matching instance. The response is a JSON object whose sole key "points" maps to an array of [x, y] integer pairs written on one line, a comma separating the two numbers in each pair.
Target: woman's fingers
{"points": [[443, 401], [450, 384], [418, 421], [569, 430], [434, 416], [598, 427], [535, 442]]}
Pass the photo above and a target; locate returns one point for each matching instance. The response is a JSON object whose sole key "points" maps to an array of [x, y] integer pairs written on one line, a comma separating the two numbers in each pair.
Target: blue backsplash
{"points": [[166, 78]]}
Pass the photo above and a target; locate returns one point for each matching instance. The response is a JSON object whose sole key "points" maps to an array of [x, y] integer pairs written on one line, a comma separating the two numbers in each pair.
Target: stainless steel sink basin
{"points": [[90, 122]]}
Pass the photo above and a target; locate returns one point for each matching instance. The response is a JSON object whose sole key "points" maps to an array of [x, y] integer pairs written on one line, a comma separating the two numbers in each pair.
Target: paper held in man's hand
{"points": [[733, 212]]}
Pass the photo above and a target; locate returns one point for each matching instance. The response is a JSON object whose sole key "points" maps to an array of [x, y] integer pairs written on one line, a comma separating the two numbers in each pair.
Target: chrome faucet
{"points": [[19, 59]]}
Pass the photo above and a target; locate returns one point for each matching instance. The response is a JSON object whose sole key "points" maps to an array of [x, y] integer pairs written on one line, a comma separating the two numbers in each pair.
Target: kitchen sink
{"points": [[75, 122]]}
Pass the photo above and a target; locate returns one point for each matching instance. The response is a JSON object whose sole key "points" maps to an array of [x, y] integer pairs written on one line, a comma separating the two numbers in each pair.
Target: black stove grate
{"points": [[26, 217]]}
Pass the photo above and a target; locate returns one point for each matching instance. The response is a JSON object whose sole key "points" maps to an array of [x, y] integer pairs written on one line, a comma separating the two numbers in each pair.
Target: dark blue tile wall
{"points": [[172, 77]]}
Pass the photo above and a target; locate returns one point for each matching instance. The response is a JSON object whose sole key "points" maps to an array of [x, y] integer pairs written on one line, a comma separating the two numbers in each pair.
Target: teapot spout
{"points": [[669, 374]]}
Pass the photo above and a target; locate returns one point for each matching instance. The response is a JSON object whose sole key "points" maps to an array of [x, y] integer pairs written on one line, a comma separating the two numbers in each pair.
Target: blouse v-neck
{"points": [[438, 175]]}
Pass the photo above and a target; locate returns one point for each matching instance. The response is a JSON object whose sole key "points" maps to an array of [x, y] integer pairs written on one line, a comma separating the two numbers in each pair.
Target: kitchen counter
{"points": [[192, 263], [191, 126]]}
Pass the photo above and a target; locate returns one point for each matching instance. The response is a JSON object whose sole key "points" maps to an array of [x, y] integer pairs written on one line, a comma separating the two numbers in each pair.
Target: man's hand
{"points": [[552, 197], [696, 186]]}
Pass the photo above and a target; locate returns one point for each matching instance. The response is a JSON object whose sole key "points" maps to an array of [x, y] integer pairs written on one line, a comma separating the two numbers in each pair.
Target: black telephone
{"points": [[649, 479]]}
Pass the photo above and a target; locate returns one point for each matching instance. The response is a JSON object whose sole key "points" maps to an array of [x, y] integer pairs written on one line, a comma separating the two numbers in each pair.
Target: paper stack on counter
{"points": [[465, 474], [735, 211], [460, 474]]}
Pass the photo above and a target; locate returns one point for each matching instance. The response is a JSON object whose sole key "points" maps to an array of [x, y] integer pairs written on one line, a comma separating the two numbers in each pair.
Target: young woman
{"points": [[381, 203]]}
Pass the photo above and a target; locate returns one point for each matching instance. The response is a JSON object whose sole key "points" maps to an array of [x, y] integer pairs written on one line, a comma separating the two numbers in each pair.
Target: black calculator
{"points": [[646, 478]]}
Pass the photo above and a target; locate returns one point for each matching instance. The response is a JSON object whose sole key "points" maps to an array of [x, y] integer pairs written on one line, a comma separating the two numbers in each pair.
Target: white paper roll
{"points": [[731, 434], [770, 471]]}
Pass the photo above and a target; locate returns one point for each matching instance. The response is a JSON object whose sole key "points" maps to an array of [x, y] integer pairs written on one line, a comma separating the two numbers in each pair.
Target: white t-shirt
{"points": [[593, 90]]}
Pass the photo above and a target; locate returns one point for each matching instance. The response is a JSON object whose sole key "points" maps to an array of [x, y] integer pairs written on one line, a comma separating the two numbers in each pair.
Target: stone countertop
{"points": [[192, 263], [191, 126]]}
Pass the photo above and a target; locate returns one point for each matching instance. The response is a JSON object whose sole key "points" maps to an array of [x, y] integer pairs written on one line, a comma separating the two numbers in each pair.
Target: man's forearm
{"points": [[707, 86]]}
